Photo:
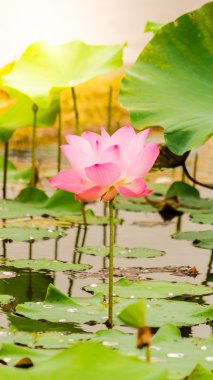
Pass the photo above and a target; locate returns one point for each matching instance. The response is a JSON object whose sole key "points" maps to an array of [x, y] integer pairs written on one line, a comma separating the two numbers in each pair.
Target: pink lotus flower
{"points": [[104, 165]]}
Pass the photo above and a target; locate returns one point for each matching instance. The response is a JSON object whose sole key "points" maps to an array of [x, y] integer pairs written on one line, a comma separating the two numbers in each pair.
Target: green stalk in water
{"points": [[111, 264], [6, 150], [33, 177], [59, 141], [109, 114]]}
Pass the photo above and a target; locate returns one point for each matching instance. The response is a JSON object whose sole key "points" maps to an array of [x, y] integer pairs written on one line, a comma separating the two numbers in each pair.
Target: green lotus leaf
{"points": [[183, 191], [202, 217], [200, 373], [134, 315], [29, 234], [47, 340], [152, 26], [45, 264], [5, 299], [87, 359], [62, 204], [171, 83], [11, 354], [21, 114], [43, 67], [150, 289], [168, 348], [59, 308], [194, 235], [205, 244], [137, 207], [138, 252]]}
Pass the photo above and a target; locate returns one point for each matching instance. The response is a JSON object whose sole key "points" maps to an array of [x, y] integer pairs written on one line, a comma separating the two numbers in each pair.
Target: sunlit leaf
{"points": [[43, 67], [170, 84]]}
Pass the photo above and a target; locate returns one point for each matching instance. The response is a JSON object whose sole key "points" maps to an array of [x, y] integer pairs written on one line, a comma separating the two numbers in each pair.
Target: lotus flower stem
{"points": [[6, 150], [59, 142], [77, 128], [33, 177], [111, 265], [84, 214], [109, 118]]}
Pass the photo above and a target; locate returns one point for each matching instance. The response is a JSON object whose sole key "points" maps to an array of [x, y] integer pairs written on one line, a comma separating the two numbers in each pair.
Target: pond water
{"points": [[138, 229]]}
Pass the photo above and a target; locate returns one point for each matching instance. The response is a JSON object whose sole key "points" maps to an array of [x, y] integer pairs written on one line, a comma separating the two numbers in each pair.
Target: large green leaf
{"points": [[11, 354], [200, 373], [150, 289], [171, 82], [87, 359], [45, 264], [195, 236], [21, 114], [179, 355], [43, 67], [59, 308], [138, 252]]}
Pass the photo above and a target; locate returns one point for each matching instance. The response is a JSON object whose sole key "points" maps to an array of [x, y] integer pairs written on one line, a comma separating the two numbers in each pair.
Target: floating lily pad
{"points": [[59, 308], [137, 207], [203, 218], [150, 289], [47, 340], [138, 252], [28, 234], [88, 359], [179, 355], [194, 235], [6, 299], [11, 354], [51, 265], [205, 244]]}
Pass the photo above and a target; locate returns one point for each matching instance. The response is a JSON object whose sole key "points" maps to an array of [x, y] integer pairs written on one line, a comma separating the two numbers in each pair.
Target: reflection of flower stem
{"points": [[111, 266], [109, 115], [59, 142], [6, 146], [33, 177]]}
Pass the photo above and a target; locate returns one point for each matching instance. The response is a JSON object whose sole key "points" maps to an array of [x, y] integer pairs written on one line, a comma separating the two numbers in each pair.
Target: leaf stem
{"points": [[6, 151], [109, 114], [33, 176], [148, 354], [111, 265], [77, 127], [59, 142]]}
